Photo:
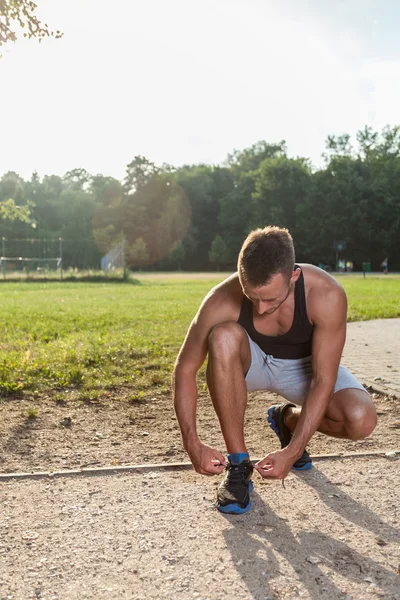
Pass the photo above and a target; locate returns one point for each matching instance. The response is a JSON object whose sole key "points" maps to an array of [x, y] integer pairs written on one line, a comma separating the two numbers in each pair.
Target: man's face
{"points": [[269, 297]]}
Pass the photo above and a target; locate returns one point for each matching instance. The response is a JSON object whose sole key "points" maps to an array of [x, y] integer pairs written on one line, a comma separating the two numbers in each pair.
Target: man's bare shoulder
{"points": [[323, 292], [318, 279], [224, 300]]}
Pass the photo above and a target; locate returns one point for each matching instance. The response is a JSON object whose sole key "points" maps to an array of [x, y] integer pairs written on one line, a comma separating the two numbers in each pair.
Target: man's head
{"points": [[265, 267], [265, 253]]}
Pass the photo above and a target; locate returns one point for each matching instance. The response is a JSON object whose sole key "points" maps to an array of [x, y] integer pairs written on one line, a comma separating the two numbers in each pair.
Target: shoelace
{"points": [[237, 472]]}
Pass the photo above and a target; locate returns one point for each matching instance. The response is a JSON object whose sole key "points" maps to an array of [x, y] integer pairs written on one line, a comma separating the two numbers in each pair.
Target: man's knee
{"points": [[361, 418], [226, 337]]}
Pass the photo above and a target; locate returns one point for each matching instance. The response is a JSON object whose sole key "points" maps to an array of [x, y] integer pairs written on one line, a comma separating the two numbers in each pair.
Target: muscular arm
{"points": [[328, 340], [189, 360], [215, 309], [328, 311]]}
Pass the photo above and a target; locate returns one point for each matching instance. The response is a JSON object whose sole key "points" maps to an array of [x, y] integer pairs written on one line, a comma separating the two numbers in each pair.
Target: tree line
{"points": [[196, 217]]}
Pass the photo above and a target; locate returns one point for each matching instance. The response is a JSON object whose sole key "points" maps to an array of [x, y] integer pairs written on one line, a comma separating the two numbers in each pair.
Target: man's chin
{"points": [[269, 312]]}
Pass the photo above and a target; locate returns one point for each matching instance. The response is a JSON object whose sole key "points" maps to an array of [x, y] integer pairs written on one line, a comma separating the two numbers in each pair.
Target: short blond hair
{"points": [[265, 253]]}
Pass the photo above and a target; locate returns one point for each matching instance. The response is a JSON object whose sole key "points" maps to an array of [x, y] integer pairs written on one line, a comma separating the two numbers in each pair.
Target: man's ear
{"points": [[295, 275]]}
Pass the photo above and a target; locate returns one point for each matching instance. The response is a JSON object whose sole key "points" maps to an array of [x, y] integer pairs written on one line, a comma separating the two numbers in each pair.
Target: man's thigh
{"points": [[260, 375], [295, 386]]}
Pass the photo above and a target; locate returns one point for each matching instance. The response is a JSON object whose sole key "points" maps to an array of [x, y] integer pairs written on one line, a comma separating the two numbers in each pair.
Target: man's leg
{"points": [[351, 414], [229, 359]]}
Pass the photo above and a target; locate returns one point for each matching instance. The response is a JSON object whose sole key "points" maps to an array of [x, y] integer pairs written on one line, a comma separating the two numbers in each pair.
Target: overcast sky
{"points": [[188, 81]]}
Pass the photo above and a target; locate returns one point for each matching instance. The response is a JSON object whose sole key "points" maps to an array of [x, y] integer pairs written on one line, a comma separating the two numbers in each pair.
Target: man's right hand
{"points": [[206, 460]]}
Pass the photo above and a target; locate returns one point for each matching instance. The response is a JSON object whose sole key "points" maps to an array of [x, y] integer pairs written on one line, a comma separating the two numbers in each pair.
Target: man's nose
{"points": [[261, 307]]}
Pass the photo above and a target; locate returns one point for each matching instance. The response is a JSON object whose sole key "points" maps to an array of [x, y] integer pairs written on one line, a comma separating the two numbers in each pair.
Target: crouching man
{"points": [[276, 326]]}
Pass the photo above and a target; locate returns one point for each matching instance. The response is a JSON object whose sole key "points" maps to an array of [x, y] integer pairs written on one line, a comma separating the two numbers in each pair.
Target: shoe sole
{"points": [[303, 468], [275, 429], [235, 509]]}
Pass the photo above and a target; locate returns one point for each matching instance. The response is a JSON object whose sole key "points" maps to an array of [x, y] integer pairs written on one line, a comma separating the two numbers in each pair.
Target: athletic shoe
{"points": [[233, 494], [276, 420]]}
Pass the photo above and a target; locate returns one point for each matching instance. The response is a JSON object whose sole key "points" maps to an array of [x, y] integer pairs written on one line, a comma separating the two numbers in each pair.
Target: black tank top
{"points": [[296, 343]]}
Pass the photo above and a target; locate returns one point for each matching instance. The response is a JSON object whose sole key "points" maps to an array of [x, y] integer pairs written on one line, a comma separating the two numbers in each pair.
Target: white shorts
{"points": [[290, 378]]}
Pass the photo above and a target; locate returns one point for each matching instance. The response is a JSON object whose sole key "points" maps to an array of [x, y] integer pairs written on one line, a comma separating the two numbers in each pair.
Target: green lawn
{"points": [[375, 297], [92, 337]]}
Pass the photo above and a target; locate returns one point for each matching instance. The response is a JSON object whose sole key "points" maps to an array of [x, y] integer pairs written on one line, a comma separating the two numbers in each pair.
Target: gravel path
{"points": [[372, 352], [330, 534]]}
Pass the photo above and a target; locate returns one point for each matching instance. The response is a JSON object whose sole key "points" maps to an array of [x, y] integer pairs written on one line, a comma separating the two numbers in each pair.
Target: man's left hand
{"points": [[276, 465]]}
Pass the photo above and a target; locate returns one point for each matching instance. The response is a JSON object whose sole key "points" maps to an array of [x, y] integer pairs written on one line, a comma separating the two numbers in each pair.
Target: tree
{"points": [[76, 214], [158, 213], [12, 186], [354, 198], [367, 140], [203, 186], [219, 252], [152, 220], [22, 13], [249, 159], [177, 255], [9, 211], [236, 212], [13, 206], [137, 254], [282, 185], [237, 206], [77, 178], [338, 146], [106, 190], [138, 173]]}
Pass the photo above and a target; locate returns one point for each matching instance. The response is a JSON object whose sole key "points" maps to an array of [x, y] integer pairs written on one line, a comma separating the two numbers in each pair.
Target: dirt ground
{"points": [[113, 431], [331, 533]]}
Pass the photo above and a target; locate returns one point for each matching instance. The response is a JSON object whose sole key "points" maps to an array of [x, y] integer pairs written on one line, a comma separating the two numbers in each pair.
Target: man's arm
{"points": [[329, 309], [206, 460]]}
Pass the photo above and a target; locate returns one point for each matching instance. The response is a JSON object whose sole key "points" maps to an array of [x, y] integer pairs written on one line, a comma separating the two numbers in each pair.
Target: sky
{"points": [[189, 81]]}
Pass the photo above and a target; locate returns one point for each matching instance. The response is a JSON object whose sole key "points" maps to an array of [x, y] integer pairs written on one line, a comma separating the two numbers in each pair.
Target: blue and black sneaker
{"points": [[233, 494], [276, 420]]}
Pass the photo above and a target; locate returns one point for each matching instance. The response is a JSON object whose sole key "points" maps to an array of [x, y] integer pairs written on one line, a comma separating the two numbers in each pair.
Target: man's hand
{"points": [[206, 460], [276, 465]]}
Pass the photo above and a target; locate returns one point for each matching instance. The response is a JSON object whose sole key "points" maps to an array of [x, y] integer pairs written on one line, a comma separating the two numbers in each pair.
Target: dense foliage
{"points": [[196, 217]]}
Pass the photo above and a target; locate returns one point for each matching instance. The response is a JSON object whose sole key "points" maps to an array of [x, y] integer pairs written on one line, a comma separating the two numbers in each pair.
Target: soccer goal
{"points": [[30, 257]]}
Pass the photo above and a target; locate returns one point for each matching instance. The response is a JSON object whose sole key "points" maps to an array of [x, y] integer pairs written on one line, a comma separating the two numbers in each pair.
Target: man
{"points": [[277, 326]]}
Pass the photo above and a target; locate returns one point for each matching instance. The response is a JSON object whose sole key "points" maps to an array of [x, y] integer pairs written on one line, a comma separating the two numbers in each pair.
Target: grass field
{"points": [[87, 338]]}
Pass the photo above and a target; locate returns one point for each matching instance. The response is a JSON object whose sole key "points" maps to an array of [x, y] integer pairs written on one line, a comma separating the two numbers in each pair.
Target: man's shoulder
{"points": [[323, 292], [318, 279], [226, 296], [228, 289]]}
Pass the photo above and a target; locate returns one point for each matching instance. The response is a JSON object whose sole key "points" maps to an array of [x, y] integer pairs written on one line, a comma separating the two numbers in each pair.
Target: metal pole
{"points": [[3, 263], [125, 270], [61, 259]]}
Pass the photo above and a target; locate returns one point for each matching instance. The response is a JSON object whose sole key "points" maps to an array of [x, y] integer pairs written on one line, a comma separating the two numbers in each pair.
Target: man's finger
{"points": [[216, 470], [264, 466], [268, 473], [219, 459], [265, 461]]}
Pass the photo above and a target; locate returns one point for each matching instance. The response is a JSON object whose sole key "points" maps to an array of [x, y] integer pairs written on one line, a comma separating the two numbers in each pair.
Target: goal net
{"points": [[115, 259], [30, 256]]}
